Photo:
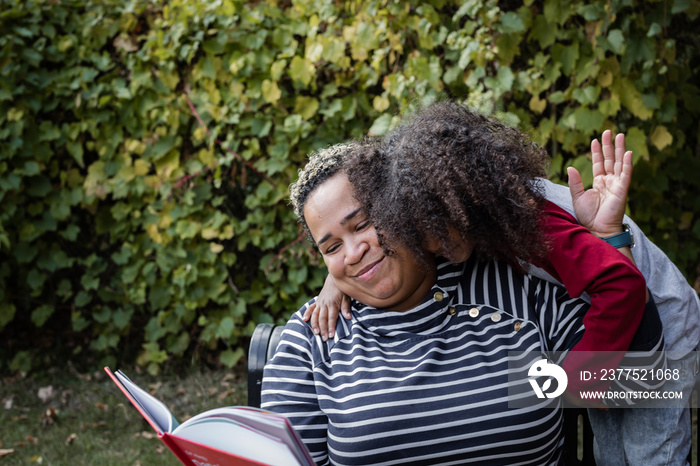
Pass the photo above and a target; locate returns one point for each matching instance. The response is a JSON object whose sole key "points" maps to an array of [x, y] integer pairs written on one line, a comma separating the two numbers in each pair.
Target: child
{"points": [[443, 166]]}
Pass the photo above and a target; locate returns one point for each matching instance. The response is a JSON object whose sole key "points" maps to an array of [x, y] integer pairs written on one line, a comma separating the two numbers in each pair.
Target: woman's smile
{"points": [[369, 271]]}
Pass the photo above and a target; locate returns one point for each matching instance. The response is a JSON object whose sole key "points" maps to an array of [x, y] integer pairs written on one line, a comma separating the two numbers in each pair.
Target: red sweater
{"points": [[583, 262]]}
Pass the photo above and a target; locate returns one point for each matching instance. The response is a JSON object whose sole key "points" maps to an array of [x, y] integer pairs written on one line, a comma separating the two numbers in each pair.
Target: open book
{"points": [[236, 435]]}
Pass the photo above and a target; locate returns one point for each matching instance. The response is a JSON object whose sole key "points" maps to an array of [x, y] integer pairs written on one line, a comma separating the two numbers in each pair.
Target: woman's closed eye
{"points": [[331, 249]]}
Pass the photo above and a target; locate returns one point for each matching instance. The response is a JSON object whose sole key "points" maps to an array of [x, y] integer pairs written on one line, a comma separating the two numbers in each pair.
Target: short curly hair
{"points": [[321, 166], [449, 166]]}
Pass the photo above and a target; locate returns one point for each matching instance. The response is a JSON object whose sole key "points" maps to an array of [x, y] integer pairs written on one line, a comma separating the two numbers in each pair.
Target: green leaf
{"points": [[306, 107], [31, 168], [82, 299], [588, 121], [230, 358], [616, 41], [511, 22], [41, 314], [38, 186], [301, 70], [160, 148], [225, 328], [567, 56], [178, 344], [636, 141], [78, 322], [122, 256], [557, 11], [661, 138], [680, 6], [584, 166], [75, 149], [364, 39], [159, 296], [187, 229], [334, 50], [22, 362], [640, 50], [35, 279], [654, 29], [380, 126], [503, 82], [631, 98], [7, 313], [270, 91], [102, 315]]}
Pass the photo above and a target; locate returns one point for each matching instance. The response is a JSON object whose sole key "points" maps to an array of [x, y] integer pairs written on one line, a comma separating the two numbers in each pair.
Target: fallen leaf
{"points": [[49, 417], [65, 396], [71, 438], [32, 440], [36, 459], [8, 402], [102, 407], [6, 451], [45, 394]]}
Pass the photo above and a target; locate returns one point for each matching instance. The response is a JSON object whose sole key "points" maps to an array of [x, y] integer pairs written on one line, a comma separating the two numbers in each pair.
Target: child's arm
{"points": [[601, 209], [585, 263], [323, 313]]}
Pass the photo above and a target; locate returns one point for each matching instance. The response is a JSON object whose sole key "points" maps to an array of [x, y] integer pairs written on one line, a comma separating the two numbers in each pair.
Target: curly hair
{"points": [[321, 166], [449, 166]]}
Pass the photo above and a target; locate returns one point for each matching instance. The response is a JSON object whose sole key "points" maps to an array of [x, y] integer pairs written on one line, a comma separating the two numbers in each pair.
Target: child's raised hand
{"points": [[323, 313], [601, 208]]}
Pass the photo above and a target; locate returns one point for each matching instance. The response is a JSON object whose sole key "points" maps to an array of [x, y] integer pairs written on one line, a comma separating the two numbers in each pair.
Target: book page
{"points": [[272, 424], [158, 415], [228, 435]]}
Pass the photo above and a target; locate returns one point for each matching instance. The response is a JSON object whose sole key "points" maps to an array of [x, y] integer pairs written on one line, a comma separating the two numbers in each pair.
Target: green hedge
{"points": [[131, 232]]}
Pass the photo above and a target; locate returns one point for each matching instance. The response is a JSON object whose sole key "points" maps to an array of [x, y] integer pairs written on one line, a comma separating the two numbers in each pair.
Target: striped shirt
{"points": [[432, 385]]}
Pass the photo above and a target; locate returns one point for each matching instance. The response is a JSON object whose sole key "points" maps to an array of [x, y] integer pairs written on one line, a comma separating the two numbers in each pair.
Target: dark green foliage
{"points": [[128, 232]]}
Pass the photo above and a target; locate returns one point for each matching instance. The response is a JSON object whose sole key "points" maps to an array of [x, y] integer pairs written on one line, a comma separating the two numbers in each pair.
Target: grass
{"points": [[84, 418]]}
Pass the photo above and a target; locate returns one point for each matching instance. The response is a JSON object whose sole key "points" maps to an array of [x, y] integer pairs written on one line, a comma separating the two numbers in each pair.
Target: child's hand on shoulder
{"points": [[322, 315]]}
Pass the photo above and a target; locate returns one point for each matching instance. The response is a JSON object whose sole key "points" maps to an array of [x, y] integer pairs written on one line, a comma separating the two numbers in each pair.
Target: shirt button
{"points": [[474, 312], [452, 311], [496, 317], [517, 326], [438, 296]]}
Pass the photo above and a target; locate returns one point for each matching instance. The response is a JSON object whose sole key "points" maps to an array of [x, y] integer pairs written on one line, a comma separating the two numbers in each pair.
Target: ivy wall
{"points": [[146, 146]]}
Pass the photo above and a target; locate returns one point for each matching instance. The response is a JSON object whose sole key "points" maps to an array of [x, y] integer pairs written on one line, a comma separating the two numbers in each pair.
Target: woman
{"points": [[435, 355]]}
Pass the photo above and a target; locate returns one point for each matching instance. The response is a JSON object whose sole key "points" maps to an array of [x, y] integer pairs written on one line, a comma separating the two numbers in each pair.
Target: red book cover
{"points": [[235, 435]]}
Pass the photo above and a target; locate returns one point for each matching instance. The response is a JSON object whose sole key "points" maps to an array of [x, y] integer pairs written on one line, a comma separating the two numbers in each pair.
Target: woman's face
{"points": [[354, 258]]}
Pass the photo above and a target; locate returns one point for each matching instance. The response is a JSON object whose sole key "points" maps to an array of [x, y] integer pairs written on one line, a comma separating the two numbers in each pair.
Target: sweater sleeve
{"points": [[288, 386], [617, 290]]}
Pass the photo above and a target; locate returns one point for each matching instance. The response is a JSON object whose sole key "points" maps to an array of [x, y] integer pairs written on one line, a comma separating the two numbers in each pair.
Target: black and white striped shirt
{"points": [[431, 385]]}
